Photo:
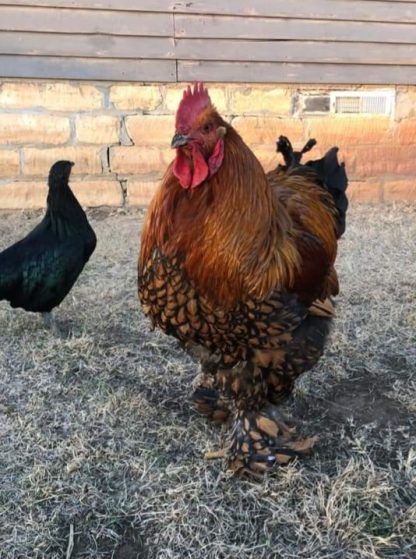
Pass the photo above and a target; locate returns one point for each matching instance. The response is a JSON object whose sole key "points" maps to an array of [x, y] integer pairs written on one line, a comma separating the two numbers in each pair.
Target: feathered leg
{"points": [[260, 436], [301, 354], [207, 397]]}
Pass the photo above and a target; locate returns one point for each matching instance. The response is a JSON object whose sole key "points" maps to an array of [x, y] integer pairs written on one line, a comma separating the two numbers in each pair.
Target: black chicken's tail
{"points": [[291, 157], [334, 179], [331, 173]]}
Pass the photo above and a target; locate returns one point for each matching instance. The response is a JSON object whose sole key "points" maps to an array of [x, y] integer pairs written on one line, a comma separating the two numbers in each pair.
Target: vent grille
{"points": [[352, 102], [347, 105]]}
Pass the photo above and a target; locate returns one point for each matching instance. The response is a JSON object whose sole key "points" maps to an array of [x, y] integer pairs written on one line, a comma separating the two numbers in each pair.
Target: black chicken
{"points": [[38, 272], [332, 175]]}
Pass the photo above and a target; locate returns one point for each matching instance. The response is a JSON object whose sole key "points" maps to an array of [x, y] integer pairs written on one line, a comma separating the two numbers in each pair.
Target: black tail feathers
{"points": [[331, 173], [291, 157], [334, 179]]}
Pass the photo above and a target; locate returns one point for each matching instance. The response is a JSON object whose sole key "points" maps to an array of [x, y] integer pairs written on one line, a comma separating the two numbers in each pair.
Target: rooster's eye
{"points": [[207, 128]]}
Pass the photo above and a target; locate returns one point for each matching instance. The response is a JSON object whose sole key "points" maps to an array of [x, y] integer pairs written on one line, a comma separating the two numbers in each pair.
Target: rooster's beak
{"points": [[179, 140]]}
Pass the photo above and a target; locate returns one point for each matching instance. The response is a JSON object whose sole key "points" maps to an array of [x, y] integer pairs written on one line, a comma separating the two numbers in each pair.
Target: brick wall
{"points": [[119, 135]]}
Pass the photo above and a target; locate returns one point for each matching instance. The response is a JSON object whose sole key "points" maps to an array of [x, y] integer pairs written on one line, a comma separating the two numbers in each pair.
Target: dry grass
{"points": [[101, 451]]}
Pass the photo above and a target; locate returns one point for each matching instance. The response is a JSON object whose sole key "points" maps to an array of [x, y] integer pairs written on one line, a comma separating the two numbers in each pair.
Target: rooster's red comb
{"points": [[192, 103]]}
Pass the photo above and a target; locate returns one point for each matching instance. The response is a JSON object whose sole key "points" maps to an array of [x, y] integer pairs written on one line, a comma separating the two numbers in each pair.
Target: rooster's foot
{"points": [[262, 440], [215, 454], [208, 401]]}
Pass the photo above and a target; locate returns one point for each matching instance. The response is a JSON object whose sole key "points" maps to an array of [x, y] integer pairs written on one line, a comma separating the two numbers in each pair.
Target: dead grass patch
{"points": [[98, 436]]}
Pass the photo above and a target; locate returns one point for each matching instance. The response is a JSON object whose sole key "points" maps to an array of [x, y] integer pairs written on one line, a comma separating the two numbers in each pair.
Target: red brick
{"points": [[27, 128], [23, 195], [364, 191], [9, 163], [405, 132], [133, 160], [266, 131], [129, 96], [148, 130], [400, 190], [32, 195], [52, 95], [101, 129], [98, 192], [350, 131], [405, 102], [261, 99], [382, 160], [139, 193]]}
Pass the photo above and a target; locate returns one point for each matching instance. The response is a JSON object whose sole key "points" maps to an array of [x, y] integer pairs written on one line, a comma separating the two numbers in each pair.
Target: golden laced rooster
{"points": [[238, 265]]}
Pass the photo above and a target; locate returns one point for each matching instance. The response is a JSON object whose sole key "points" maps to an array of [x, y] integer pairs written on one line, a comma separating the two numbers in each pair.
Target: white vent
{"points": [[362, 102]]}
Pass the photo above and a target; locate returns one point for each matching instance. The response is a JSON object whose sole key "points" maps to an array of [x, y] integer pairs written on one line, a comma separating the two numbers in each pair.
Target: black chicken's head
{"points": [[60, 172]]}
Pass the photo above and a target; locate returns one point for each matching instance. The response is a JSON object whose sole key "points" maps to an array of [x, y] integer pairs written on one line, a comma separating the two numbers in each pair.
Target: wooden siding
{"points": [[286, 41]]}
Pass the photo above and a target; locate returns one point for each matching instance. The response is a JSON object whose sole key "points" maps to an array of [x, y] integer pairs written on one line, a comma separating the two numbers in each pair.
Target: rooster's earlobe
{"points": [[221, 131]]}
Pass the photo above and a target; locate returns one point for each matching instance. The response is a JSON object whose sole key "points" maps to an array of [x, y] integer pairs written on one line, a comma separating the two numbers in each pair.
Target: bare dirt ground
{"points": [[101, 452]]}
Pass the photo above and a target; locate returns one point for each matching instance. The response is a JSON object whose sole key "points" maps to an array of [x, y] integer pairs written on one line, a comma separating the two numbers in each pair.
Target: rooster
{"points": [[239, 266]]}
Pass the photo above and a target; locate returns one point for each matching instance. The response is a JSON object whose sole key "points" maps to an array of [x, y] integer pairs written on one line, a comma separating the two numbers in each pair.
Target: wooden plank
{"points": [[222, 27], [110, 46], [97, 46], [278, 72], [87, 69], [294, 51], [355, 10], [358, 10], [124, 5], [85, 21]]}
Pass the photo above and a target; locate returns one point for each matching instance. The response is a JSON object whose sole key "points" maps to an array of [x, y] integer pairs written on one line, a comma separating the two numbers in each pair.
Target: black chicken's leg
{"points": [[51, 323]]}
